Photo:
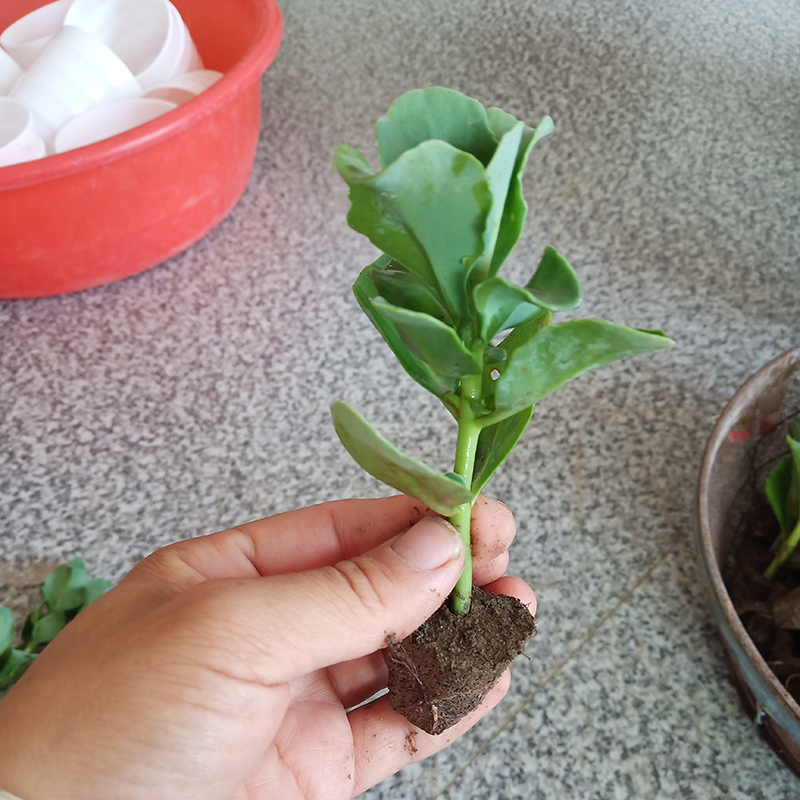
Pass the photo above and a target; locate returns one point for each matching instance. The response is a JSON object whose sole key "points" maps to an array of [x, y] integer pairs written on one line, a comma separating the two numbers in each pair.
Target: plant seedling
{"points": [[66, 592], [783, 493], [446, 208]]}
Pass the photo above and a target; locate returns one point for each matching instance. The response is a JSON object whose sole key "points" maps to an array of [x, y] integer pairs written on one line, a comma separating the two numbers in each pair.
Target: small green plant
{"points": [[783, 493], [66, 592], [446, 209]]}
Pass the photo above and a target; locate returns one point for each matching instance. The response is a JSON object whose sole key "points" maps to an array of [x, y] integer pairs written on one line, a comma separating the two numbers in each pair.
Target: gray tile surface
{"points": [[195, 395], [643, 710]]}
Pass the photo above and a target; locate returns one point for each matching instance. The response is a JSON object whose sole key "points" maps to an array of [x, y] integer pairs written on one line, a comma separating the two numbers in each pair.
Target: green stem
{"points": [[784, 553], [468, 432]]}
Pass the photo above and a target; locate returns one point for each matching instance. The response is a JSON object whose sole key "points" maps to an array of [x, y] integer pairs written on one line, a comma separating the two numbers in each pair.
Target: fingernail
{"points": [[429, 544]]}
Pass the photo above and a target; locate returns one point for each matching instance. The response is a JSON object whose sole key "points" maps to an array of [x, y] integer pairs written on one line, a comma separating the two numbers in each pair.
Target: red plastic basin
{"points": [[107, 211]]}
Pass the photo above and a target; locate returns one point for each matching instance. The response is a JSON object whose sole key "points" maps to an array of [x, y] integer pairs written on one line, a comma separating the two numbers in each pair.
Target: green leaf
{"points": [[559, 353], [493, 355], [501, 122], [372, 214], [778, 490], [783, 492], [8, 629], [365, 291], [14, 667], [47, 627], [426, 210], [402, 287], [515, 208], [495, 443], [384, 461], [434, 113], [63, 587], [499, 174], [431, 340], [524, 332], [555, 285], [519, 336], [94, 590], [454, 476], [501, 305], [30, 621], [794, 448]]}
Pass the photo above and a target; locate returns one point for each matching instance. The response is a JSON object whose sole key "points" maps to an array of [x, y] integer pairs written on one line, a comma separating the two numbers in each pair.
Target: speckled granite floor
{"points": [[195, 395]]}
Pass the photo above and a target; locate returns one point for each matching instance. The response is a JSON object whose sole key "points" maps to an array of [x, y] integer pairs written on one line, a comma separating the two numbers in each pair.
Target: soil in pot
{"points": [[769, 610], [442, 671]]}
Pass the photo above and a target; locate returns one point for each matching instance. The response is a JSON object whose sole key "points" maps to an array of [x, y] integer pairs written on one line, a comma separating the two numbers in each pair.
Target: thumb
{"points": [[310, 620]]}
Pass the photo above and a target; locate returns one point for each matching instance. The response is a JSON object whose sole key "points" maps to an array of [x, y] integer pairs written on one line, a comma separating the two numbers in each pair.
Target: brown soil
{"points": [[769, 610], [446, 667]]}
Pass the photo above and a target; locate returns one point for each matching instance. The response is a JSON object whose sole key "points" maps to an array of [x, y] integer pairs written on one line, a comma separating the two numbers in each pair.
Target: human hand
{"points": [[222, 668]]}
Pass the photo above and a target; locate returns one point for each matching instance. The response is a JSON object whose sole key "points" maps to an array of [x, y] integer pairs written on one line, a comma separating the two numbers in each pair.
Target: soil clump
{"points": [[769, 610], [443, 671]]}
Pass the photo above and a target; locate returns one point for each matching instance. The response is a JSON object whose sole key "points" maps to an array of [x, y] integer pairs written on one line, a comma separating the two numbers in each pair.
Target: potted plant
{"points": [[446, 208], [746, 532]]}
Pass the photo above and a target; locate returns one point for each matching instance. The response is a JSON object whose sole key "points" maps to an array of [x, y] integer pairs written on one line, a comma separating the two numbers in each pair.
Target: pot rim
{"points": [[771, 696]]}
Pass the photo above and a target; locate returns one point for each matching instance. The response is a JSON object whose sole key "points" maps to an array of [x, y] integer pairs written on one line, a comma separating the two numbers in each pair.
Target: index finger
{"points": [[314, 537], [324, 535]]}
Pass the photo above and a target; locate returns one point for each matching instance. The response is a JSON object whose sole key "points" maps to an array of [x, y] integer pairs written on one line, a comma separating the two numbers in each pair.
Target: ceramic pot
{"points": [[748, 439]]}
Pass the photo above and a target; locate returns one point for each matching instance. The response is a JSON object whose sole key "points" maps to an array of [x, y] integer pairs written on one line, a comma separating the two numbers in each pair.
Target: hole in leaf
{"points": [[495, 374]]}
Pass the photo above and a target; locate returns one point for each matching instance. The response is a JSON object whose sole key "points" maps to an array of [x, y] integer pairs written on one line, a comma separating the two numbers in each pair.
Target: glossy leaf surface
{"points": [[794, 448], [793, 497], [501, 122], [436, 343], [515, 208], [778, 490], [16, 664], [495, 443], [501, 305], [381, 459], [434, 113], [518, 337], [525, 332], [493, 355], [30, 621], [783, 492], [63, 587], [94, 590], [365, 291], [559, 353], [47, 627], [7, 629], [428, 211], [555, 285], [372, 214], [499, 175], [402, 287]]}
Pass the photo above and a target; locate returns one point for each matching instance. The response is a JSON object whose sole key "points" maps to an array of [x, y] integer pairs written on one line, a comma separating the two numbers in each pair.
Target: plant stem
{"points": [[788, 545], [466, 448]]}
